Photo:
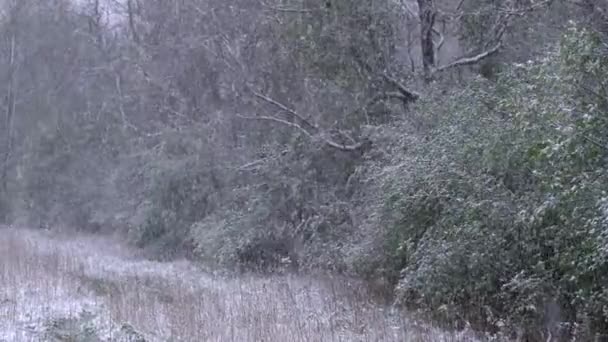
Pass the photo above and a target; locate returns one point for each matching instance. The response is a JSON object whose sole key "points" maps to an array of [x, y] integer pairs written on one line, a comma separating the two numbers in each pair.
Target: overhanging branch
{"points": [[496, 32], [303, 121], [303, 125], [469, 60]]}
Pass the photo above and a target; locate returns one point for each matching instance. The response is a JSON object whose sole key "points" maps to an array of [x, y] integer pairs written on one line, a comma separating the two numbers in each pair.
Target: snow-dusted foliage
{"points": [[497, 215]]}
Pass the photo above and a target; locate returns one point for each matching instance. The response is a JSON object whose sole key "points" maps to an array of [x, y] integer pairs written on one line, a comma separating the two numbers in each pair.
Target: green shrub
{"points": [[499, 210], [180, 196]]}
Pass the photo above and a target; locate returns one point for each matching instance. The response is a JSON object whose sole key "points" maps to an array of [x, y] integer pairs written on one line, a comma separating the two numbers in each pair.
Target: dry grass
{"points": [[46, 280]]}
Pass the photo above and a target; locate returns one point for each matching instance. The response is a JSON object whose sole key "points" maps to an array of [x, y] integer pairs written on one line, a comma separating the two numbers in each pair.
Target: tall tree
{"points": [[11, 41]]}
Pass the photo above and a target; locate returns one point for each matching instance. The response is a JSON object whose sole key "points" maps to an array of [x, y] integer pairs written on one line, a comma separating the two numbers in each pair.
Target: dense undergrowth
{"points": [[264, 140], [498, 214], [494, 214]]}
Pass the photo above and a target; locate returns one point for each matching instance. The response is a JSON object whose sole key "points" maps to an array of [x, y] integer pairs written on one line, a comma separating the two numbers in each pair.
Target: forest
{"points": [[451, 153]]}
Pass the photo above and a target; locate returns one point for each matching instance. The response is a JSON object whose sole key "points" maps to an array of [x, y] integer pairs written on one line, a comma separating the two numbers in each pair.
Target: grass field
{"points": [[84, 288]]}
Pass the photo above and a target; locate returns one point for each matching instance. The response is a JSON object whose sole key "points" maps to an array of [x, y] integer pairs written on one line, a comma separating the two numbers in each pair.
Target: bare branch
{"points": [[489, 48], [490, 10], [343, 147], [327, 141], [304, 126], [291, 10], [303, 121], [383, 96], [251, 165], [469, 60], [523, 10], [460, 5], [347, 136], [284, 108], [595, 142], [281, 121], [408, 94], [439, 44]]}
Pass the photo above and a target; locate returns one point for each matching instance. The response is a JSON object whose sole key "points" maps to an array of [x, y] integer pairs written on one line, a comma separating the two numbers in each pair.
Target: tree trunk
{"points": [[131, 15], [10, 111], [426, 12]]}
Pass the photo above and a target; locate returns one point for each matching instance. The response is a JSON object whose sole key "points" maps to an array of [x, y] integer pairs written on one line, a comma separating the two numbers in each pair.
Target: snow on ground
{"points": [[85, 288]]}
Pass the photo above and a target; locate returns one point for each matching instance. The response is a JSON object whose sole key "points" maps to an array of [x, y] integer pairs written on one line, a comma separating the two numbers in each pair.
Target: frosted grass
{"points": [[45, 278]]}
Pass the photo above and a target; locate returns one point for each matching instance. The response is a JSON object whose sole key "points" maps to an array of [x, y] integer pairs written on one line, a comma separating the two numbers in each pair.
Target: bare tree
{"points": [[428, 13], [11, 91]]}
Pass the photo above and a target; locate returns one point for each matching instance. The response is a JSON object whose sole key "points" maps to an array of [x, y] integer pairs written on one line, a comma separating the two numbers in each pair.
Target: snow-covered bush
{"points": [[498, 210]]}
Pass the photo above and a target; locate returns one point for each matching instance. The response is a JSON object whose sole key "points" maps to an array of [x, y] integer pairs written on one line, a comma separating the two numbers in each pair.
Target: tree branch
{"points": [[291, 10], [439, 44], [305, 126], [249, 166], [469, 60], [490, 47], [286, 109], [281, 121], [383, 96], [343, 147], [410, 95]]}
